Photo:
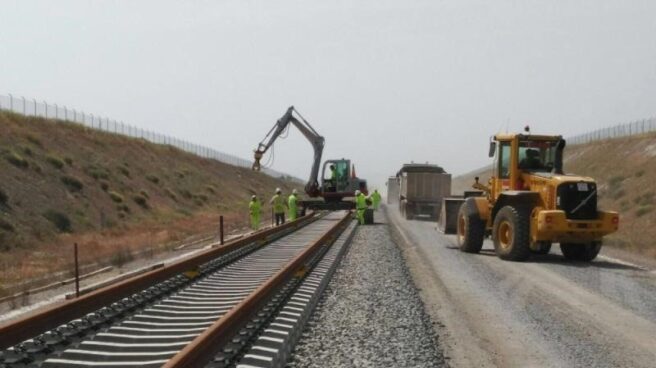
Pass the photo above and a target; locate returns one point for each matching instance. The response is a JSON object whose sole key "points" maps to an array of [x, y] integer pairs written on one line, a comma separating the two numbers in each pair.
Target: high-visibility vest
{"points": [[278, 204], [361, 202], [291, 202], [254, 207]]}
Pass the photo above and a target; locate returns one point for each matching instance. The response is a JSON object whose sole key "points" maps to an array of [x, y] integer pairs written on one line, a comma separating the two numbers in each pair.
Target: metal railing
{"points": [[621, 130], [32, 107]]}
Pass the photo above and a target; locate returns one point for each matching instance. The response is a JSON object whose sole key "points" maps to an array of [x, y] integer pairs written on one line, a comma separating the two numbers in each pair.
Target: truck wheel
{"points": [[580, 252], [409, 215], [470, 232], [511, 233], [544, 247]]}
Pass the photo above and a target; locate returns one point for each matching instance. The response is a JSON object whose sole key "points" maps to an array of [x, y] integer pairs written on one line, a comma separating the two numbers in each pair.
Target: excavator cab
{"points": [[345, 183]]}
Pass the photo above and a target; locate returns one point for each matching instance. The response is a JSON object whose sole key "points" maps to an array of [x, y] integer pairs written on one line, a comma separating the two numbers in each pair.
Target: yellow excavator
{"points": [[328, 191]]}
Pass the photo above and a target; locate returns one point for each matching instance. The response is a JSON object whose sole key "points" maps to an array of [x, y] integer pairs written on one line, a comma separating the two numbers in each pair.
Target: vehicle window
{"points": [[504, 160], [537, 155]]}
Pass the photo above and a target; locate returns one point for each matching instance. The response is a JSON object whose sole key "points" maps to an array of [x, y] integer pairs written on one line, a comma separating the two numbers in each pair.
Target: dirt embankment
{"points": [[625, 169], [62, 183]]}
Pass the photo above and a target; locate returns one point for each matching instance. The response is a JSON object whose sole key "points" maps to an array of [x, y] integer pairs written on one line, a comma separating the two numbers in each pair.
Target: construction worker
{"points": [[333, 177], [291, 206], [360, 206], [375, 199], [278, 203], [255, 210]]}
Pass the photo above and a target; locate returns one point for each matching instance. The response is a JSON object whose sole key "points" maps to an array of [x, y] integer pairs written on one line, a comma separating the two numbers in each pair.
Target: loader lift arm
{"points": [[317, 141]]}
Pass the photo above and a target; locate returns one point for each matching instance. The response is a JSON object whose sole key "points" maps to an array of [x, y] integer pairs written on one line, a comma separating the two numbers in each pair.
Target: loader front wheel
{"points": [[511, 233], [471, 231], [581, 252]]}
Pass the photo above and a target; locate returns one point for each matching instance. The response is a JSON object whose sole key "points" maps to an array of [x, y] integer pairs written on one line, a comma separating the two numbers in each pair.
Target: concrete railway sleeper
{"points": [[151, 326]]}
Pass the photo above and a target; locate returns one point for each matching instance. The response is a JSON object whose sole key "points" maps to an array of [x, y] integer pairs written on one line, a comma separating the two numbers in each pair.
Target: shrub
{"points": [[96, 172], [144, 193], [16, 160], [69, 161], [179, 174], [123, 208], [171, 194], [201, 197], [28, 151], [140, 200], [34, 140], [72, 183], [152, 178], [104, 185], [186, 194], [60, 220], [122, 256], [55, 161], [115, 196], [124, 170], [643, 210], [211, 189], [639, 173], [4, 225], [4, 198], [36, 167], [648, 198], [615, 180]]}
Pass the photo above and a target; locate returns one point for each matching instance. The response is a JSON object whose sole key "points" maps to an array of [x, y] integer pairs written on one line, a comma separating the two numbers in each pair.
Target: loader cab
{"points": [[524, 153]]}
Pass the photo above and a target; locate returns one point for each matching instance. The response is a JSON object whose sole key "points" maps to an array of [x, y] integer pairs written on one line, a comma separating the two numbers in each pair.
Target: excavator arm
{"points": [[317, 141]]}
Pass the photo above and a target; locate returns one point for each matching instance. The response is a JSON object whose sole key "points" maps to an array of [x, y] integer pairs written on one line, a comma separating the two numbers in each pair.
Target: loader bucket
{"points": [[448, 220]]}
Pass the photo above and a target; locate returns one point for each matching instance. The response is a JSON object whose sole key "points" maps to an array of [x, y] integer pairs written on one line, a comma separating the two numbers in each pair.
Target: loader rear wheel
{"points": [[511, 232], [470, 232], [580, 252]]}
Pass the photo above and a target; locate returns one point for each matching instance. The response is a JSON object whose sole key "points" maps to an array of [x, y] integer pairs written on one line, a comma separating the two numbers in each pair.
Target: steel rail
{"points": [[39, 322], [201, 350]]}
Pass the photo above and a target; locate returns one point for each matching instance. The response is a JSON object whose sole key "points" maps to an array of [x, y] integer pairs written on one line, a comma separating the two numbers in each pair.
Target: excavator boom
{"points": [[312, 187]]}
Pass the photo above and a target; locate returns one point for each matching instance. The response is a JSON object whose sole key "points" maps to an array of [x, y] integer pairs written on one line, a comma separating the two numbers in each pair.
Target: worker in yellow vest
{"points": [[278, 203], [360, 206], [291, 206], [255, 210], [375, 199]]}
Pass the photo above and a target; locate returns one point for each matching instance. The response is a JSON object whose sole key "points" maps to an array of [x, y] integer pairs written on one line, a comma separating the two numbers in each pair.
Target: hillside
{"points": [[625, 169], [62, 183]]}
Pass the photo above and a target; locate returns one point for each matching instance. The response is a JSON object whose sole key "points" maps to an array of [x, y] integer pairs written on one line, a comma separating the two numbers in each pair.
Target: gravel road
{"points": [[371, 314], [546, 312]]}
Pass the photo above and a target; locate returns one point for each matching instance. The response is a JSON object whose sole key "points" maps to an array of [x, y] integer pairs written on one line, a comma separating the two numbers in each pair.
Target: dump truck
{"points": [[421, 189], [529, 203], [392, 190]]}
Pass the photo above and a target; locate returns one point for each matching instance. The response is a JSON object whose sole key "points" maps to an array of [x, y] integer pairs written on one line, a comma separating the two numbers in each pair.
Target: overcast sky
{"points": [[385, 82]]}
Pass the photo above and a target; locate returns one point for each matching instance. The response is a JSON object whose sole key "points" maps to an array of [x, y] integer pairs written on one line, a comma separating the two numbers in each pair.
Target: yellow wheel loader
{"points": [[530, 203]]}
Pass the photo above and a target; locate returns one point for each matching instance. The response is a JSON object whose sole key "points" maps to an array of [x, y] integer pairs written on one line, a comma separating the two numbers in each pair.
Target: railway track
{"points": [[190, 318]]}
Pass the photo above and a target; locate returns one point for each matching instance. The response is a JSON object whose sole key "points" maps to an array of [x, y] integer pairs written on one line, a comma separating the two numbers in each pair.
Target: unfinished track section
{"points": [[177, 316]]}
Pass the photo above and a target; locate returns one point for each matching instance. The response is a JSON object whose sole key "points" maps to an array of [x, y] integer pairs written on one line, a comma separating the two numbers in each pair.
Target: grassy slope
{"points": [[116, 191], [625, 169]]}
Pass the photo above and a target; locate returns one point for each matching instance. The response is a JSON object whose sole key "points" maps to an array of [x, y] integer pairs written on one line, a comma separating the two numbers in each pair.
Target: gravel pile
{"points": [[371, 314]]}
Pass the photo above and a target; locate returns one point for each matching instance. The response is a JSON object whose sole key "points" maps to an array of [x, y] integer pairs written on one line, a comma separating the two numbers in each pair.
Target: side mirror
{"points": [[493, 148]]}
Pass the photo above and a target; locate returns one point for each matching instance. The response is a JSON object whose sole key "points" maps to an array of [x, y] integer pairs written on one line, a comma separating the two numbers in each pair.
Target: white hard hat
{"points": [[278, 190], [294, 191], [357, 192], [253, 196]]}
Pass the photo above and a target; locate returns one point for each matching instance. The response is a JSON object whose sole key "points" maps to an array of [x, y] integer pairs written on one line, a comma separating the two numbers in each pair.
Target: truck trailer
{"points": [[421, 190]]}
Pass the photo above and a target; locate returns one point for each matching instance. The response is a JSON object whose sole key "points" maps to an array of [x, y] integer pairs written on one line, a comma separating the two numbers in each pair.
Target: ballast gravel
{"points": [[371, 314]]}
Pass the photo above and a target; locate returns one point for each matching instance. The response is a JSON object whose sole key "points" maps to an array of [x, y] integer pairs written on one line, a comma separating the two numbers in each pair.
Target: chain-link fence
{"points": [[622, 130], [32, 107]]}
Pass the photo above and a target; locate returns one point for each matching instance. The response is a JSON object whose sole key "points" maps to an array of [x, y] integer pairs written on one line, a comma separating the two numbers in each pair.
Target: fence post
{"points": [[24, 106], [65, 113], [11, 103], [34, 99], [77, 274]]}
